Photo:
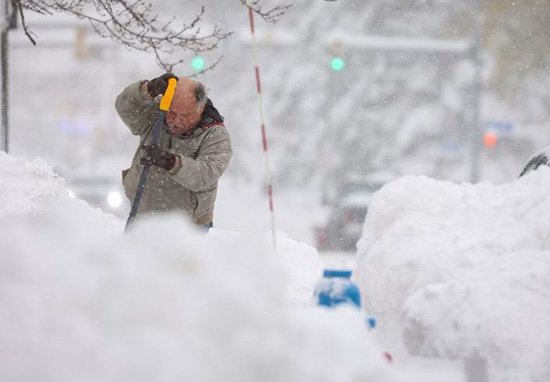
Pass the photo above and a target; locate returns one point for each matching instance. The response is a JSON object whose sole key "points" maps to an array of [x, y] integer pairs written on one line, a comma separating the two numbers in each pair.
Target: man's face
{"points": [[184, 115]]}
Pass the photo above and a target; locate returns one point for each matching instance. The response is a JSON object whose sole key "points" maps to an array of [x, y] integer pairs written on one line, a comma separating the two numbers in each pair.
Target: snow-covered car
{"points": [[344, 225], [100, 191]]}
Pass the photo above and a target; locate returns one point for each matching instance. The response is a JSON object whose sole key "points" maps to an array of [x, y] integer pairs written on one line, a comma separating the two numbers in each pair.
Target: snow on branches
{"points": [[272, 15], [134, 24]]}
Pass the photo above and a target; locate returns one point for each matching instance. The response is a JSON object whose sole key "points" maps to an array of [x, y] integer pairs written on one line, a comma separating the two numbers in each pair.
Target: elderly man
{"points": [[192, 152]]}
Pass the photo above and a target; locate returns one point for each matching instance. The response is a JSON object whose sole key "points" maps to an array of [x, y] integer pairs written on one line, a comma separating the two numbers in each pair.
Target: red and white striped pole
{"points": [[262, 121]]}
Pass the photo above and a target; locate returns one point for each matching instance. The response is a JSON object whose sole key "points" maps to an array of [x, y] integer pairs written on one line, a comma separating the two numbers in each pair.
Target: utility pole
{"points": [[475, 123], [4, 59]]}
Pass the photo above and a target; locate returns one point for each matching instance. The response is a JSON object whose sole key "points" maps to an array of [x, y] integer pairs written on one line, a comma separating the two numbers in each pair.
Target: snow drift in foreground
{"points": [[463, 271], [82, 302]]}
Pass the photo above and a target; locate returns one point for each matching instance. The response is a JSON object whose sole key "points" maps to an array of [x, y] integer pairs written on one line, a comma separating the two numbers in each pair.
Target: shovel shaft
{"points": [[157, 128]]}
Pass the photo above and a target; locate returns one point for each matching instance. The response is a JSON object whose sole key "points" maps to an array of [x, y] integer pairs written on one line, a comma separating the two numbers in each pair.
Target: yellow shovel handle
{"points": [[168, 95]]}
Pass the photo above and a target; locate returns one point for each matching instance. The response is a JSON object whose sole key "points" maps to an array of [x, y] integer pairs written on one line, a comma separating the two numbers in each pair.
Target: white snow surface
{"points": [[462, 271], [80, 301]]}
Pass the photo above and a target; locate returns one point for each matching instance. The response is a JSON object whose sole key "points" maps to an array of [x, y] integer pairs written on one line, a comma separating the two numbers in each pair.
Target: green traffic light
{"points": [[337, 64], [197, 63]]}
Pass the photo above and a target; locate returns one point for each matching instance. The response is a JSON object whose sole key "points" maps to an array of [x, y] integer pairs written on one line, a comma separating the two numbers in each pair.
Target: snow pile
{"points": [[463, 271], [299, 264], [302, 268], [26, 188], [82, 302]]}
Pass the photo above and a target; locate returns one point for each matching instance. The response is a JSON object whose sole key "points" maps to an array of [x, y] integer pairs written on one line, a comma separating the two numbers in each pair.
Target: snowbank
{"points": [[82, 302], [26, 188], [463, 271]]}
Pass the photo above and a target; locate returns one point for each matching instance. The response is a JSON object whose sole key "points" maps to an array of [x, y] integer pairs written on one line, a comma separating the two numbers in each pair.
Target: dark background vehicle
{"points": [[348, 210]]}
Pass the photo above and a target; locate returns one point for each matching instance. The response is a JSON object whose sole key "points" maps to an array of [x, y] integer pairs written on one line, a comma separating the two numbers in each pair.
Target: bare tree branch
{"points": [[133, 24], [25, 29], [272, 15]]}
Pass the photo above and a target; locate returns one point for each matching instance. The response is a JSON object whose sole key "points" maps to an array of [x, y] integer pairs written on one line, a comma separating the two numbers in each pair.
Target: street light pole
{"points": [[475, 123], [5, 25]]}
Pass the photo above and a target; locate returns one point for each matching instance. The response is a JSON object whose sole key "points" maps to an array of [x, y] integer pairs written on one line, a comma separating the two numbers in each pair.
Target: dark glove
{"points": [[155, 156], [159, 85]]}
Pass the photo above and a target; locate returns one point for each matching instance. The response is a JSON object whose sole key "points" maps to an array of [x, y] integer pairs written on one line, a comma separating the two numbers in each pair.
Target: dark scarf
{"points": [[210, 115]]}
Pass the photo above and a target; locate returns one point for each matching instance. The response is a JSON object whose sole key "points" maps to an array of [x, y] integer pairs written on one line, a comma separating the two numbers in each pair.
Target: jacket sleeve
{"points": [[203, 172], [137, 110]]}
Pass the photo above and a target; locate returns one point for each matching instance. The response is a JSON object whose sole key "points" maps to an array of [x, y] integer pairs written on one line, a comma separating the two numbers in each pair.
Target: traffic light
{"points": [[197, 63], [337, 64], [490, 140]]}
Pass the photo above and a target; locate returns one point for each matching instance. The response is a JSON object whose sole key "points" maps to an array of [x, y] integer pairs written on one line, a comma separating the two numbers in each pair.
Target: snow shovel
{"points": [[157, 127]]}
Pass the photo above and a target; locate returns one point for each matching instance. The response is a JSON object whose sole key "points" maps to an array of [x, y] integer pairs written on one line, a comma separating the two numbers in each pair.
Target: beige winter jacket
{"points": [[204, 157]]}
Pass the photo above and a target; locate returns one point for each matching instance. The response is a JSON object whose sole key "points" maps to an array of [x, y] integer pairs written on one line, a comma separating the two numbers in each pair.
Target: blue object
{"points": [[343, 273], [371, 322], [336, 288], [504, 127]]}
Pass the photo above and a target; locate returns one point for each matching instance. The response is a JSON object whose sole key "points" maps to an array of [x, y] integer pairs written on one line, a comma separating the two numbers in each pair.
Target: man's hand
{"points": [[159, 85], [155, 156]]}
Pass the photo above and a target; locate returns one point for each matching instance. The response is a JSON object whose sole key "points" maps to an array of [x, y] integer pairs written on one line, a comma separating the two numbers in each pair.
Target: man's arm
{"points": [[203, 172], [136, 108]]}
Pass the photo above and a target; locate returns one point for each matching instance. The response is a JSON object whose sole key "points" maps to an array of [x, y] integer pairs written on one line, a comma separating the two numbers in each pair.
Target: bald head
{"points": [[187, 106], [187, 87]]}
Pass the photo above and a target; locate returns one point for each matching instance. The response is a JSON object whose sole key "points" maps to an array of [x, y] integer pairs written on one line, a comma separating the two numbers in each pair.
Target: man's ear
{"points": [[201, 107]]}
